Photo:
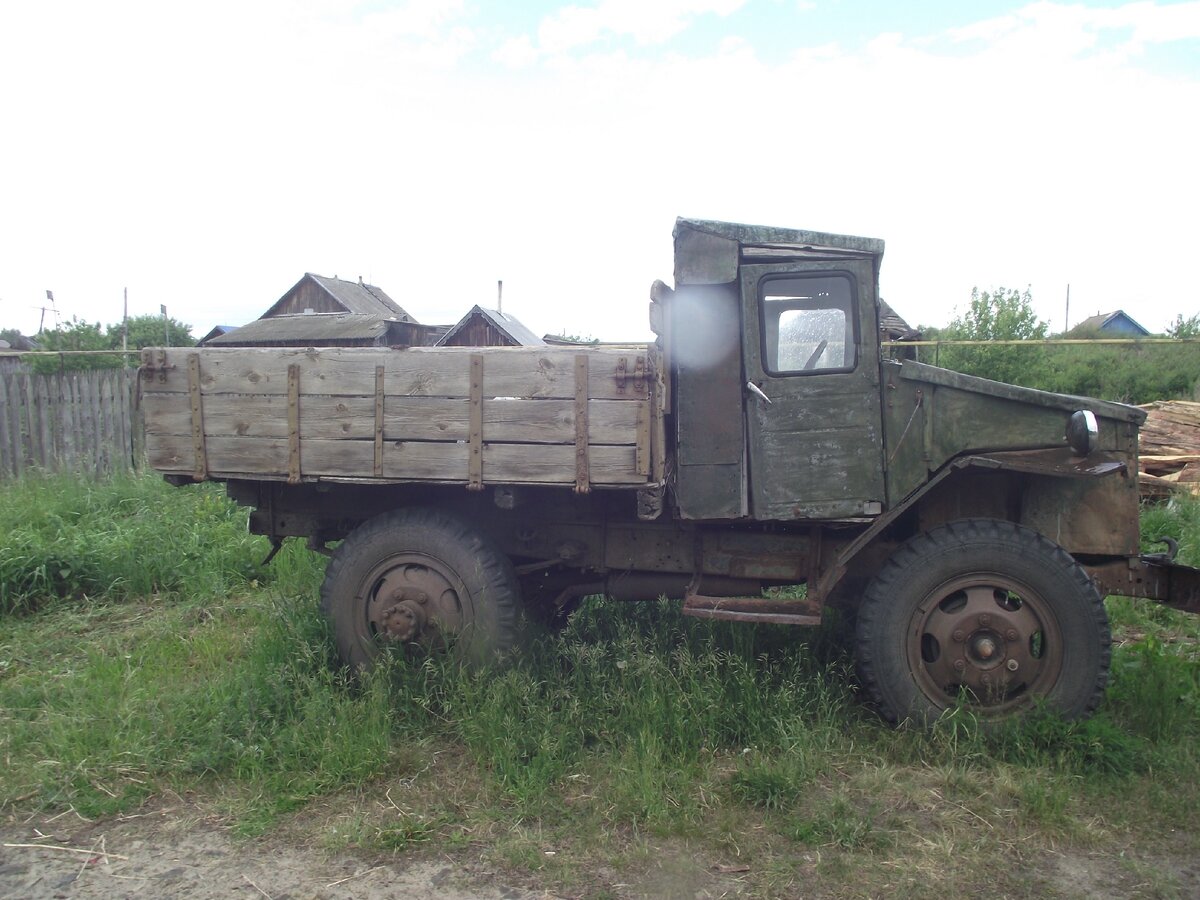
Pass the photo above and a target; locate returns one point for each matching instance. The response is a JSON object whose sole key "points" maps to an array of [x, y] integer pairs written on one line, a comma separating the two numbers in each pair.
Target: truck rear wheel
{"points": [[420, 579], [985, 613]]}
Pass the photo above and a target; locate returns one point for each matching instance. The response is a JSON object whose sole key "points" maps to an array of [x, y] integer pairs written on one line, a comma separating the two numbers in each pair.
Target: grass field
{"points": [[142, 652]]}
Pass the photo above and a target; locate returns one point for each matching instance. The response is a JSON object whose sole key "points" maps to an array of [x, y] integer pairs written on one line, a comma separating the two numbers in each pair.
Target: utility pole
{"points": [[166, 325], [125, 325], [500, 297], [42, 321], [1067, 320]]}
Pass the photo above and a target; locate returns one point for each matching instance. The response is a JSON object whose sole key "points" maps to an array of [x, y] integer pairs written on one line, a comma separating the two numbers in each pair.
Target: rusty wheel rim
{"points": [[985, 639], [416, 601]]}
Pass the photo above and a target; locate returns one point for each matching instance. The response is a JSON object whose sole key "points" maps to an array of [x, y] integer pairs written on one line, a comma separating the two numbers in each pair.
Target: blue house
{"points": [[1113, 324]]}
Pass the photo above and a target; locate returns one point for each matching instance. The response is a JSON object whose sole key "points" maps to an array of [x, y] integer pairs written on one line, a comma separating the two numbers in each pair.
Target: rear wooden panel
{"points": [[528, 416]]}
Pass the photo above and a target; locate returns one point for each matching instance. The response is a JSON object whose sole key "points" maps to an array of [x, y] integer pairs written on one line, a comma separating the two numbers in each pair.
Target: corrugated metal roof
{"points": [[502, 322], [315, 328]]}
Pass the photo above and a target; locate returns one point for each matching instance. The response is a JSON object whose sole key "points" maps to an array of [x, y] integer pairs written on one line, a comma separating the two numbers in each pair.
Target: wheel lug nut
{"points": [[958, 636], [986, 679], [422, 597], [1011, 634], [1012, 665], [960, 664], [985, 620]]}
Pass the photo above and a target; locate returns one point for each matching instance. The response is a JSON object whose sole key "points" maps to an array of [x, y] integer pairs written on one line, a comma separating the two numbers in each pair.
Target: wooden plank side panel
{"points": [[405, 418], [532, 372], [414, 460], [556, 464], [402, 461]]}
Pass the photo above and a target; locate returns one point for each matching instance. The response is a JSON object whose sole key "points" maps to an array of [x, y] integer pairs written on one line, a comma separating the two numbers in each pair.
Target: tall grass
{"points": [[635, 719], [127, 537]]}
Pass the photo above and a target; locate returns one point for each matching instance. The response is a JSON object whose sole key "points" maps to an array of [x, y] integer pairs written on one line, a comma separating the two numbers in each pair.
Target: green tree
{"points": [[998, 315], [1185, 328], [74, 337], [149, 331]]}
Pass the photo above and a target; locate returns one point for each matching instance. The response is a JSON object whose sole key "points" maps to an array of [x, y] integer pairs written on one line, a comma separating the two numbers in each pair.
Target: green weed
{"points": [[633, 728]]}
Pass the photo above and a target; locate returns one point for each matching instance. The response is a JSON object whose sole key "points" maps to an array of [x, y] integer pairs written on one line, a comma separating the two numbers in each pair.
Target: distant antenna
{"points": [[51, 307], [1067, 322], [500, 297]]}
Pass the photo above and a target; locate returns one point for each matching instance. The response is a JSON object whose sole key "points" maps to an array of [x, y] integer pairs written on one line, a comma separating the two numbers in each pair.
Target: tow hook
{"points": [[1169, 556]]}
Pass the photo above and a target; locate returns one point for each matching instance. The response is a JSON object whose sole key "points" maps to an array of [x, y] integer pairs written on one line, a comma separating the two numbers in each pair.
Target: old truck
{"points": [[970, 528]]}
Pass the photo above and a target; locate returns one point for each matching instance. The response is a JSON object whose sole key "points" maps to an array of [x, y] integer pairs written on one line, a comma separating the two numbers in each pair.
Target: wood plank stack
{"points": [[1169, 448], [579, 417]]}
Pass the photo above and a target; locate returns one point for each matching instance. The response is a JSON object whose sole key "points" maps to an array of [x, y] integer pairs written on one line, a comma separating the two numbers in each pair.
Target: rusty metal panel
{"points": [[933, 415], [1151, 577]]}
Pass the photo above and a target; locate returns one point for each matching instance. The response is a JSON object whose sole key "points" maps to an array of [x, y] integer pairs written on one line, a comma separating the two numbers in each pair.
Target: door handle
{"points": [[757, 392]]}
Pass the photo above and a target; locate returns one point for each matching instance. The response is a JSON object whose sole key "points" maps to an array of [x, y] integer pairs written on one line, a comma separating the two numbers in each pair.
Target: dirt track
{"points": [[164, 855]]}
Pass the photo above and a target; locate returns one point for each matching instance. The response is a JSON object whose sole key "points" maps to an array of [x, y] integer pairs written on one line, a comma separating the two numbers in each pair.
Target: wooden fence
{"points": [[83, 422]]}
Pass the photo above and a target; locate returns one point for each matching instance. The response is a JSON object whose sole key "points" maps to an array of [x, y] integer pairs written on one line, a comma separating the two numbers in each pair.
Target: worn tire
{"points": [[985, 613], [426, 569]]}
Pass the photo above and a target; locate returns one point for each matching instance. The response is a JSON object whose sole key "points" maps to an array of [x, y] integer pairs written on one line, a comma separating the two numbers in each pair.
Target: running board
{"points": [[752, 609]]}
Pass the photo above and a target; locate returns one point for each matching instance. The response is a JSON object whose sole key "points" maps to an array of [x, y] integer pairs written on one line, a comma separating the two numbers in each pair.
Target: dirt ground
{"points": [[180, 852], [166, 854]]}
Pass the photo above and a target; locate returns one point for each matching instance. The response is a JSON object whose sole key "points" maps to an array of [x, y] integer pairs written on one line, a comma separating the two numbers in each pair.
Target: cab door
{"points": [[814, 425]]}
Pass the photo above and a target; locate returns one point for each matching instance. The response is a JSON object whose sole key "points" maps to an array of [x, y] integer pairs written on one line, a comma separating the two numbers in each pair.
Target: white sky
{"points": [[206, 155]]}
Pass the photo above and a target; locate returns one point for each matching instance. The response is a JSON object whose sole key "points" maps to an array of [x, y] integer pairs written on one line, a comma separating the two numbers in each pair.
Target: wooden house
{"points": [[489, 328], [1112, 325], [217, 331], [328, 312]]}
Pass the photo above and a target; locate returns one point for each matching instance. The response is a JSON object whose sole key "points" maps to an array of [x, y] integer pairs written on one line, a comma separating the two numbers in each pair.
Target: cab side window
{"points": [[808, 323]]}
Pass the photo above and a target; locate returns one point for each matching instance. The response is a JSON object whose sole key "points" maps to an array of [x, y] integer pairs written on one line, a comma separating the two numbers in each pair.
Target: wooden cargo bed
{"points": [[580, 417]]}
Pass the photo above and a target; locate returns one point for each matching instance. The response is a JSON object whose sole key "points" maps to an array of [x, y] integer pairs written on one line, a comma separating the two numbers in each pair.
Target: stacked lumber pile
{"points": [[1169, 442]]}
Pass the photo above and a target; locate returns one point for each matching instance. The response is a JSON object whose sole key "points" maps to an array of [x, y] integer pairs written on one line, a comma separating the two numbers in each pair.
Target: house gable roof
{"points": [[502, 322], [354, 297], [217, 331], [1107, 322]]}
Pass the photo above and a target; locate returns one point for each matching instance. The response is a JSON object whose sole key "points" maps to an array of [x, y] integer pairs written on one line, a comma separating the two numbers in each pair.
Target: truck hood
{"points": [[1122, 412]]}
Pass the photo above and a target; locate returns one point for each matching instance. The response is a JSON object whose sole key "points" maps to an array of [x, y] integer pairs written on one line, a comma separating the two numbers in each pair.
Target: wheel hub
{"points": [[403, 622], [987, 639], [414, 602], [984, 648]]}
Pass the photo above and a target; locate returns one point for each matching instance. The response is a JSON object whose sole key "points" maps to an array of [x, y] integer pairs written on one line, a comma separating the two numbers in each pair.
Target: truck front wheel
{"points": [[984, 613], [420, 579]]}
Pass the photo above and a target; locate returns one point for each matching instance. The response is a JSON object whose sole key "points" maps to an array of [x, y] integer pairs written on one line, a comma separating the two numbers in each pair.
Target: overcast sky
{"points": [[205, 155]]}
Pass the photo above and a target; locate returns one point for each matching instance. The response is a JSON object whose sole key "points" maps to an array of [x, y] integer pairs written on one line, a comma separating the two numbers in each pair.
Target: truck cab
{"points": [[772, 336], [786, 410]]}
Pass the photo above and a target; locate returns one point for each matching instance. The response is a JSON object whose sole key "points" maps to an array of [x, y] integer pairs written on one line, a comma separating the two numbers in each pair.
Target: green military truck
{"points": [[970, 528]]}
